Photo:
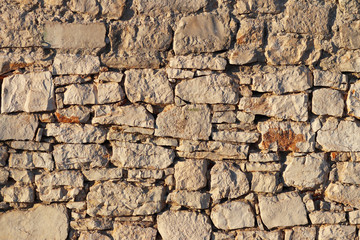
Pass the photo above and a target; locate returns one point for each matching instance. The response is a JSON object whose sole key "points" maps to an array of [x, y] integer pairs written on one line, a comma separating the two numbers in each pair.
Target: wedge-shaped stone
{"points": [[126, 231], [131, 115], [76, 133], [39, 222], [348, 172], [74, 35], [124, 199], [31, 160], [292, 106], [189, 199], [183, 225], [150, 86], [198, 62], [327, 101], [344, 194], [61, 178], [337, 232], [349, 35], [155, 8], [232, 215], [210, 89], [241, 137], [77, 156], [32, 92], [187, 122], [75, 64], [282, 210], [330, 79], [286, 136], [353, 100], [205, 32], [134, 155]]}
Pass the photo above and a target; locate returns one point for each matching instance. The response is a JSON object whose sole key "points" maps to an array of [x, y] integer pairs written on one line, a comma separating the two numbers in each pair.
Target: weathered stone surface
{"points": [[112, 9], [29, 145], [349, 61], [73, 114], [306, 233], [210, 89], [24, 176], [286, 136], [189, 199], [83, 6], [109, 93], [40, 222], [131, 115], [93, 236], [132, 232], [263, 157], [342, 136], [262, 167], [232, 215], [227, 181], [75, 35], [354, 217], [224, 117], [337, 232], [344, 194], [349, 35], [18, 194], [145, 174], [282, 80], [263, 182], [76, 156], [155, 8], [4, 175], [191, 174], [32, 92], [103, 174], [205, 32], [282, 210], [3, 155], [31, 160], [75, 64], [251, 32], [188, 122], [183, 225], [327, 101], [348, 172], [244, 137], [147, 85], [111, 77], [91, 224], [242, 55], [198, 62], [321, 217], [292, 106], [174, 73], [76, 133], [353, 100], [124, 199], [134, 155], [306, 172], [330, 79], [261, 6]]}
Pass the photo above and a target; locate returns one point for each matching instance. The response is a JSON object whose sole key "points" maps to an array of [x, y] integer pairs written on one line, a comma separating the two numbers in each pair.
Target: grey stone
{"points": [[210, 89], [40, 222], [232, 215], [103, 174], [349, 35], [205, 32], [61, 178], [263, 182], [282, 210], [111, 77], [337, 232], [328, 102], [31, 160], [198, 62], [155, 8], [134, 155], [330, 79], [348, 172], [191, 174], [73, 114], [4, 176], [243, 137], [353, 100], [124, 199], [183, 225], [112, 9], [18, 194], [3, 155], [187, 122], [75, 64], [306, 233], [32, 92], [147, 85], [321, 217], [189, 199], [133, 232], [76, 156], [344, 194]]}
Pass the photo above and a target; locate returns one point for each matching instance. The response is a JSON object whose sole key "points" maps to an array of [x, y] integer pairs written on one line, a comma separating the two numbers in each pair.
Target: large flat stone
{"points": [[344, 194], [18, 127], [75, 64], [32, 92]]}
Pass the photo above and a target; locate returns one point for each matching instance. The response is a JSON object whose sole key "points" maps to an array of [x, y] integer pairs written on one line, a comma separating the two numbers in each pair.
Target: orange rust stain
{"points": [[241, 40], [285, 139], [64, 119]]}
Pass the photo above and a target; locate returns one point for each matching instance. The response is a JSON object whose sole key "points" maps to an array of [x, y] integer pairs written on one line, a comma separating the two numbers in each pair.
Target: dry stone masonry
{"points": [[179, 119]]}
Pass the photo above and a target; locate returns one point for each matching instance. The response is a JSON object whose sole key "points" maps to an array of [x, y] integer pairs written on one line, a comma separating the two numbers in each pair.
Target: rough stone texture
{"points": [[40, 222], [191, 174], [348, 172], [18, 194], [154, 8], [330, 79], [75, 64], [349, 61], [320, 217], [344, 194], [306, 233], [353, 100], [123, 199], [243, 137], [22, 127], [112, 9], [189, 199], [328, 102], [354, 217], [103, 174], [261, 6], [73, 114], [130, 232], [31, 160], [183, 225], [198, 62], [262, 235], [337, 232], [349, 35], [263, 182]]}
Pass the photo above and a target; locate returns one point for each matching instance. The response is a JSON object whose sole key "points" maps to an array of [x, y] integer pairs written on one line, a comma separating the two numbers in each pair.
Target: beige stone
{"points": [[191, 174], [18, 194], [348, 172], [31, 160], [321, 217], [75, 64], [349, 35], [241, 137], [112, 9], [73, 114], [328, 102], [337, 232], [261, 6], [344, 194], [263, 182], [261, 235], [198, 62], [155, 8], [133, 232], [83, 6], [353, 100], [189, 199], [305, 233], [334, 80]]}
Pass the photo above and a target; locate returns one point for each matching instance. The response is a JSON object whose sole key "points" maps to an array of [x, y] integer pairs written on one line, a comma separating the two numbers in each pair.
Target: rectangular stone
{"points": [[264, 157], [18, 194], [75, 64], [344, 194], [145, 174], [321, 217], [188, 199], [263, 182], [198, 62], [263, 167], [335, 80], [349, 172], [154, 7], [30, 145], [103, 174], [60, 178], [240, 137], [31, 160]]}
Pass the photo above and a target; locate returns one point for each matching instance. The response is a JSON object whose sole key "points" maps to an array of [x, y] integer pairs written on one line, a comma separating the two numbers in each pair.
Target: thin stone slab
{"points": [[30, 145], [155, 8], [353, 100], [334, 80], [31, 160], [240, 137], [189, 199], [198, 62], [18, 127], [103, 174]]}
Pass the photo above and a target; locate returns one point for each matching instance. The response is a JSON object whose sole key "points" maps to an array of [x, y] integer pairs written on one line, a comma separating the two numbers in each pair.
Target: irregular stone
{"points": [[61, 178], [4, 175], [223, 235], [353, 100], [223, 117], [232, 215], [76, 133], [306, 172], [39, 222], [286, 136], [263, 157], [344, 137], [73, 114], [244, 137], [263, 182], [198, 62], [263, 167], [155, 8], [111, 77], [24, 176], [261, 6], [32, 92], [292, 106], [109, 93], [83, 6], [131, 115], [77, 156], [348, 172], [337, 232], [69, 79], [327, 101], [183, 225], [91, 224], [112, 9], [132, 232], [282, 210], [306, 233], [227, 181], [354, 217], [179, 73], [3, 154], [191, 174], [76, 35], [147, 85], [171, 142], [210, 89], [344, 194], [124, 199], [103, 174], [330, 79], [93, 236], [349, 61], [251, 32], [145, 174], [187, 122], [321, 217], [349, 35], [75, 64], [18, 194], [188, 199], [244, 54], [31, 160], [30, 145], [282, 80], [134, 155], [205, 32]]}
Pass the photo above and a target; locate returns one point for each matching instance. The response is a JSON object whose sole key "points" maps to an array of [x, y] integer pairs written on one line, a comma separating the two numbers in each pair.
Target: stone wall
{"points": [[180, 119]]}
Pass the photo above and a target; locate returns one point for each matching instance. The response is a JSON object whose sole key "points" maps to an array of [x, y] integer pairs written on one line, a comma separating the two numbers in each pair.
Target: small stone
{"points": [[261, 6], [243, 137], [305, 233], [61, 178], [4, 175], [191, 174], [344, 194], [224, 117], [183, 225], [69, 79], [75, 64], [245, 117], [349, 35], [135, 174], [155, 8], [242, 55], [179, 73], [31, 160], [109, 93], [112, 9], [198, 62], [91, 224], [30, 145], [263, 167], [263, 182], [330, 79], [93, 236], [166, 142], [111, 77], [261, 235], [348, 172], [337, 232], [321, 217], [103, 174], [349, 61], [263, 157], [354, 217], [125, 231], [327, 101], [223, 236], [83, 6], [353, 100], [3, 155], [24, 176], [73, 114], [232, 215], [18, 194], [251, 32], [189, 199]]}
